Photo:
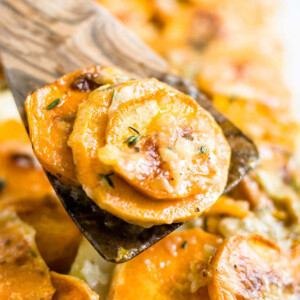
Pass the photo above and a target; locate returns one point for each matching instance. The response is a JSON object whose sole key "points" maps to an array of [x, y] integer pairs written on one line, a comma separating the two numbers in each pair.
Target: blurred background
{"points": [[288, 26]]}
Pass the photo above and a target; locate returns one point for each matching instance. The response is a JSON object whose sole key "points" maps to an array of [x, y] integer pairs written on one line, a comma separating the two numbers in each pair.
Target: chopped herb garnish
{"points": [[106, 177], [135, 130], [31, 252], [133, 139], [202, 150], [183, 245], [197, 209], [114, 95], [133, 142], [137, 149], [52, 104], [235, 266], [170, 148], [2, 184]]}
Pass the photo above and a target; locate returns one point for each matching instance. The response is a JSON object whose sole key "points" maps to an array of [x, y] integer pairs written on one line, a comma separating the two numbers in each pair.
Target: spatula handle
{"points": [[68, 35]]}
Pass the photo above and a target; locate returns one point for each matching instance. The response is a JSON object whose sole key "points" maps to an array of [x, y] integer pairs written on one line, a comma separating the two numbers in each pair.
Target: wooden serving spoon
{"points": [[43, 40]]}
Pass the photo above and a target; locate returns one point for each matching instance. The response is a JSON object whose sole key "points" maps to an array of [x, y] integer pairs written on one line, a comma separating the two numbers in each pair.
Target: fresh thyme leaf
{"points": [[114, 95], [31, 252], [183, 245], [202, 150], [135, 130], [107, 179], [133, 142], [133, 139], [130, 138], [52, 104], [2, 184]]}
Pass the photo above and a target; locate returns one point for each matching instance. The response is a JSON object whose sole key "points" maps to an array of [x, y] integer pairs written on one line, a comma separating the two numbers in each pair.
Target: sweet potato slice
{"points": [[71, 288], [251, 267], [162, 271], [167, 146], [110, 191], [24, 275], [25, 188], [263, 124], [51, 111], [228, 206], [295, 257], [21, 176], [57, 237]]}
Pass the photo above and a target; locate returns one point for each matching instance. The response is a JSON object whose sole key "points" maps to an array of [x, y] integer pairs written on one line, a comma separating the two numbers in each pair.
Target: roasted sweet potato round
{"points": [[164, 270], [166, 146], [71, 288], [107, 142], [51, 111], [57, 237], [25, 188], [21, 176], [24, 275], [251, 267]]}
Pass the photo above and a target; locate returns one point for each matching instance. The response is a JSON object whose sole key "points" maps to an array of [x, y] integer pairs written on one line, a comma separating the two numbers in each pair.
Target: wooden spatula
{"points": [[40, 40]]}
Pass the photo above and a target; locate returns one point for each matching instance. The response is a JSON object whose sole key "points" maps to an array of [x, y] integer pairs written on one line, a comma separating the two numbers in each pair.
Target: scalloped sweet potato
{"points": [[57, 237], [26, 188], [51, 111], [162, 271], [295, 257], [229, 206], [94, 129], [263, 124], [180, 151], [21, 175], [24, 275], [71, 288], [251, 267]]}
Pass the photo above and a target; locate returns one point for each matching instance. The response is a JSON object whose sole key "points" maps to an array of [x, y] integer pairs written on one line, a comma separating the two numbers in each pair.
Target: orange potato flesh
{"points": [[295, 258], [181, 151], [57, 237], [239, 69], [161, 272], [250, 267], [50, 128], [71, 288], [123, 200], [228, 206], [264, 125], [24, 275], [27, 190], [23, 177]]}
